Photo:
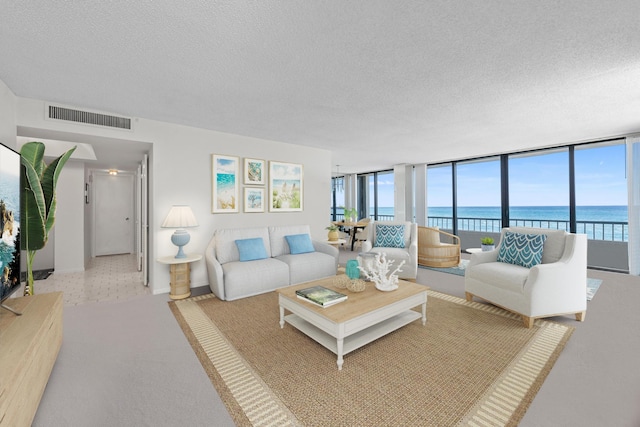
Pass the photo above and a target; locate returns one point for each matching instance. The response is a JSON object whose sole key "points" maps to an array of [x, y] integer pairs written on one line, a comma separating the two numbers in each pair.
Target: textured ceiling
{"points": [[376, 82]]}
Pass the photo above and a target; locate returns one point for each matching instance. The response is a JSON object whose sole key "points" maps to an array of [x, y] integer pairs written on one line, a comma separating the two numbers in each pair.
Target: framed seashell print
{"points": [[254, 171]]}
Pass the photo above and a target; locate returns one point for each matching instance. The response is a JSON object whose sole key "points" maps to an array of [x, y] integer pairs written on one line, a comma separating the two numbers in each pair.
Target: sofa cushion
{"points": [[501, 275], [389, 236], [243, 279], [553, 246], [225, 244], [251, 249], [277, 239], [309, 266], [521, 249], [299, 243]]}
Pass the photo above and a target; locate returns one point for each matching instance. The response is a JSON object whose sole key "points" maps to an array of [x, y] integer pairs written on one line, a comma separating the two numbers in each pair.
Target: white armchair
{"points": [[557, 286], [408, 253]]}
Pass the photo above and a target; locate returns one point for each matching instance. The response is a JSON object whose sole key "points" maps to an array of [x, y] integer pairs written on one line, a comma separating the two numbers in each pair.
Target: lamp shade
{"points": [[180, 216]]}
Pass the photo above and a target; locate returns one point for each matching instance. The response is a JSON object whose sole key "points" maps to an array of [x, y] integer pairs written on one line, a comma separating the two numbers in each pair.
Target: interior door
{"points": [[114, 221], [144, 216]]}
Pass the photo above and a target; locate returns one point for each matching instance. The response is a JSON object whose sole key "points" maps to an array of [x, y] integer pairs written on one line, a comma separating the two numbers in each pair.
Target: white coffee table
{"points": [[361, 319]]}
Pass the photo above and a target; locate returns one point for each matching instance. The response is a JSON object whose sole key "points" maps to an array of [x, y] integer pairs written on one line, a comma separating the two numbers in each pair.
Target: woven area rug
{"points": [[472, 364], [592, 284]]}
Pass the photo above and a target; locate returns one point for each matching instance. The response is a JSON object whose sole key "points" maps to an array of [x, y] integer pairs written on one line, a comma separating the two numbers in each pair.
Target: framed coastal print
{"points": [[285, 187], [224, 183], [254, 171], [253, 199]]}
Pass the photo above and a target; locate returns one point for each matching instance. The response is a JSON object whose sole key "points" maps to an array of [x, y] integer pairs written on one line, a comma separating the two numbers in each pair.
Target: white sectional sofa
{"points": [[230, 278]]}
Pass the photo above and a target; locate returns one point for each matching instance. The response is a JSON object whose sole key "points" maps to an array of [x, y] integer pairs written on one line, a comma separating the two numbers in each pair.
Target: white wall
{"points": [[180, 173], [69, 225], [7, 116]]}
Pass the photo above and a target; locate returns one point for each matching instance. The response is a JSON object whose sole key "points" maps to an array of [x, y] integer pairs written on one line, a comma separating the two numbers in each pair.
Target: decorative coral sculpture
{"points": [[379, 273]]}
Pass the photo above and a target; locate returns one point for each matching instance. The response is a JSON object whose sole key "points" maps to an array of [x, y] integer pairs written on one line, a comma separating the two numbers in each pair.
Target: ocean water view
{"points": [[598, 222], [557, 213]]}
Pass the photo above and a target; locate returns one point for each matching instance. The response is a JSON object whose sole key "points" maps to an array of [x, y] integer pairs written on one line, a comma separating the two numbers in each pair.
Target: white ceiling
{"points": [[377, 82]]}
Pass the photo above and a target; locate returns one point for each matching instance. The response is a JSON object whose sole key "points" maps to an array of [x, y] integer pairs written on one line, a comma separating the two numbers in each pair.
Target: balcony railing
{"points": [[595, 230], [340, 217]]}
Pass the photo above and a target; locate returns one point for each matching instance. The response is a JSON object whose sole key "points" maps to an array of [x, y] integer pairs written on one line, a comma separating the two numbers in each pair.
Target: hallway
{"points": [[107, 278]]}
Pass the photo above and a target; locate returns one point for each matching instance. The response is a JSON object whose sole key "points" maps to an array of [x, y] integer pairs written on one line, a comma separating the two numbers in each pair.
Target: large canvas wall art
{"points": [[285, 187], [225, 183], [9, 221]]}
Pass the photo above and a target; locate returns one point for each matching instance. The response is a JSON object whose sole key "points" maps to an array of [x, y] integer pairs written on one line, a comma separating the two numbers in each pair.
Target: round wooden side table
{"points": [[180, 273]]}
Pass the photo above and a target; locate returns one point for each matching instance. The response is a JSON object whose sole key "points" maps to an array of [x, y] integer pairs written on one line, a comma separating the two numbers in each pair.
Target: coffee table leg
{"points": [[424, 314], [340, 349], [281, 317]]}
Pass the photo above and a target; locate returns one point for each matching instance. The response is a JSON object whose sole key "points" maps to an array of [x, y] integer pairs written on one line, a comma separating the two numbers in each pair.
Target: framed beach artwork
{"points": [[225, 183], [253, 199], [285, 187], [254, 171]]}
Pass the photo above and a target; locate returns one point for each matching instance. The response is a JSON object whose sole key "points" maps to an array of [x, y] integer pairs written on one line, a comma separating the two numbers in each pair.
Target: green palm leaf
{"points": [[38, 202]]}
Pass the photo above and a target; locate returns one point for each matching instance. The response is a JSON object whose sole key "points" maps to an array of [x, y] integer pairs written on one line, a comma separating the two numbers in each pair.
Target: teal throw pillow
{"points": [[521, 249], [389, 236], [299, 244], [251, 249]]}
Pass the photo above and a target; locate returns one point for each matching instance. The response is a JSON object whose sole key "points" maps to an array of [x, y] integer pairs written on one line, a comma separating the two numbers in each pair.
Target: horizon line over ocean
{"points": [[603, 213], [596, 213], [605, 222]]}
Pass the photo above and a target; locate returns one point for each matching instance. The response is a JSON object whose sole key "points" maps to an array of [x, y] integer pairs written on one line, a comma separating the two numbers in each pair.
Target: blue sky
{"points": [[537, 180]]}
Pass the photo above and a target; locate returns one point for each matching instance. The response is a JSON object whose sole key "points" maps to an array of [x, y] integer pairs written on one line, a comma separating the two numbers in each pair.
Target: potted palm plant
{"points": [[487, 244], [38, 201], [333, 234], [350, 215]]}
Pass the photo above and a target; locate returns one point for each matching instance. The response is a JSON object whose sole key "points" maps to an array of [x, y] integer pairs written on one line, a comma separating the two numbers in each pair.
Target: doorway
{"points": [[114, 214]]}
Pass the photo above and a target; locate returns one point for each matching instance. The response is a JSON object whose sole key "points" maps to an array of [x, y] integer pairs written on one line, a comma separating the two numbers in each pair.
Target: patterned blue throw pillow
{"points": [[522, 249], [389, 236]]}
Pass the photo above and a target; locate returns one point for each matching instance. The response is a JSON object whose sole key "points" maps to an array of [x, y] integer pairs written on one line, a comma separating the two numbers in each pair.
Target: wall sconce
{"points": [[180, 217], [113, 171]]}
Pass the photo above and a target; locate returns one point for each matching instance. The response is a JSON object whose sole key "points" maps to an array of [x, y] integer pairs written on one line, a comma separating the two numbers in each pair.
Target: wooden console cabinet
{"points": [[29, 346]]}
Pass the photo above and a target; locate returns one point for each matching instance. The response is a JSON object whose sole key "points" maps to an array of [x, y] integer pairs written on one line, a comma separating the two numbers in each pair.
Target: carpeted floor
{"points": [[456, 368], [592, 284]]}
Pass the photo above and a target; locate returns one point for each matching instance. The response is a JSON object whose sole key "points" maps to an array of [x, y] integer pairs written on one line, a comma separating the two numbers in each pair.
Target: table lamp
{"points": [[180, 217]]}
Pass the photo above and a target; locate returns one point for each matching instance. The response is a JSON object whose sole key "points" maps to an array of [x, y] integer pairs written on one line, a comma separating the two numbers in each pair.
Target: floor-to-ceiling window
{"points": [[386, 203], [539, 189], [337, 199], [601, 191], [376, 195], [478, 195], [440, 196]]}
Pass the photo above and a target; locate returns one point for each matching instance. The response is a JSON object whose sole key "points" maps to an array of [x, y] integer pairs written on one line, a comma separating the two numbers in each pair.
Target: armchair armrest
{"points": [[561, 286], [326, 249], [454, 238], [413, 249], [366, 246], [214, 270], [483, 257]]}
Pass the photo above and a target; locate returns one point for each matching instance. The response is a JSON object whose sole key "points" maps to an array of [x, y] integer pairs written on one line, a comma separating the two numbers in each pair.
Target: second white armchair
{"points": [[398, 240], [555, 286]]}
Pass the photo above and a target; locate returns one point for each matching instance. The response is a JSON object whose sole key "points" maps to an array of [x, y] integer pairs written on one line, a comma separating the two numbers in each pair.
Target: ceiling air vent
{"points": [[88, 117]]}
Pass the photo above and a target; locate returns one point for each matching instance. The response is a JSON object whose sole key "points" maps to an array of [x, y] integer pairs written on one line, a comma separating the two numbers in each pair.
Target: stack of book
{"points": [[321, 296]]}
